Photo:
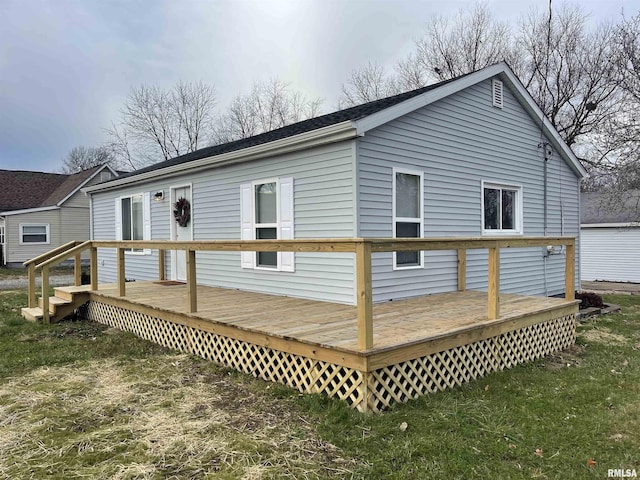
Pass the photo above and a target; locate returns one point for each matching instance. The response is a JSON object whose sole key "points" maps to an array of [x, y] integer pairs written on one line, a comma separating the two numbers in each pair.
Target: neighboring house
{"points": [[40, 211], [466, 157], [610, 237]]}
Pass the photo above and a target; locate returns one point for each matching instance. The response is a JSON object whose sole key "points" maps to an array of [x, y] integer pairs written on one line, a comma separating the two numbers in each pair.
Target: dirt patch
{"points": [[603, 335], [171, 416], [569, 357]]}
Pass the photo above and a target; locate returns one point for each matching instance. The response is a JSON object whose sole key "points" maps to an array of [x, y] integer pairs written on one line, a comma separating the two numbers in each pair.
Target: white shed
{"points": [[610, 238]]}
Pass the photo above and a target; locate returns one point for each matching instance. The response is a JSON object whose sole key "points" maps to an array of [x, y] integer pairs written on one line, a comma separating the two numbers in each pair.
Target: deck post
{"points": [[570, 272], [161, 267], [32, 284], [93, 267], [364, 295], [46, 318], [121, 273], [77, 269], [494, 282], [462, 269], [192, 294]]}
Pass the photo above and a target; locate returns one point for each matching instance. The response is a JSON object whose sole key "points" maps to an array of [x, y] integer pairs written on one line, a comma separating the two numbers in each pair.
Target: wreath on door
{"points": [[182, 212]]}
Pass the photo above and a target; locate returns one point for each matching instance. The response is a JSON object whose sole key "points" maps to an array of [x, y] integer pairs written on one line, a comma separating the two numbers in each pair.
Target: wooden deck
{"points": [[333, 325]]}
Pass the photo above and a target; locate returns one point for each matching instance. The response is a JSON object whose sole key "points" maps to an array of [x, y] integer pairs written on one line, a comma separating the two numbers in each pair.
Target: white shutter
{"points": [[246, 225], [287, 259], [146, 219], [118, 216]]}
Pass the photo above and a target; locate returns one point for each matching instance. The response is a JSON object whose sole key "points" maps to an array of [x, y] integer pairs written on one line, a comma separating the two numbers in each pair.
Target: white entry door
{"points": [[179, 233]]}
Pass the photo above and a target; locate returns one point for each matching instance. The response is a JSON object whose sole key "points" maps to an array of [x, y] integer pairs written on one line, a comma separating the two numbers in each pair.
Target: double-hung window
{"points": [[266, 220], [35, 234], [501, 209], [408, 214], [1, 234], [266, 211], [132, 219]]}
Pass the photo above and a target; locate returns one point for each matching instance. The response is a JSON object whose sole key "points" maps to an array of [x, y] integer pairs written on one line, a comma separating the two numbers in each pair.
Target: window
{"points": [[266, 221], [501, 209], [1, 234], [408, 207], [266, 208], [34, 234], [133, 219]]}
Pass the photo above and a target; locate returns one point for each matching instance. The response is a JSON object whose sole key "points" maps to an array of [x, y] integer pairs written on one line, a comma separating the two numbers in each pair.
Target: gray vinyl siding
{"points": [[65, 224], [323, 208], [611, 254], [78, 199], [458, 142]]}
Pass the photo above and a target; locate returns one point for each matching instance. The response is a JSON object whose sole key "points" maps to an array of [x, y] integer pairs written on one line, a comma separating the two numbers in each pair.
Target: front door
{"points": [[180, 233]]}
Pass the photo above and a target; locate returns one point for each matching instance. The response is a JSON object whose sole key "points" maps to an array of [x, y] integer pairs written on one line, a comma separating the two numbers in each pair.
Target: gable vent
{"points": [[496, 90]]}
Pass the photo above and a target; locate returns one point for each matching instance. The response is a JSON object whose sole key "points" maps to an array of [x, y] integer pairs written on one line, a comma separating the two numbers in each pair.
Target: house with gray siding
{"points": [[468, 157], [40, 211]]}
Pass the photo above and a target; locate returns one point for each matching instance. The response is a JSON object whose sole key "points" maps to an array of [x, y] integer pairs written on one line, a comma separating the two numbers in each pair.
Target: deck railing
{"points": [[363, 248]]}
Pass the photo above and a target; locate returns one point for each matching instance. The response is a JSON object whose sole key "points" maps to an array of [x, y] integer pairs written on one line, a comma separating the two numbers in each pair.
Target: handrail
{"points": [[61, 257], [363, 248], [51, 253]]}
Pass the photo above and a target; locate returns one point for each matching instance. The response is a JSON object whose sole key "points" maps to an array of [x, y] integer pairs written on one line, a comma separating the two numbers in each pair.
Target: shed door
{"points": [[180, 233]]}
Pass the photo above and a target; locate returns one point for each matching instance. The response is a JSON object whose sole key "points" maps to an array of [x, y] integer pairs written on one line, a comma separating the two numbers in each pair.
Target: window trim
{"points": [[256, 225], [47, 233], [130, 251], [395, 220], [519, 218]]}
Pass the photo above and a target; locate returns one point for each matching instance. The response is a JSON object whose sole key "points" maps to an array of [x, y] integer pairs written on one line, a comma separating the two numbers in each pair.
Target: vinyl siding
{"points": [[611, 254], [78, 199], [323, 208], [17, 253], [458, 142]]}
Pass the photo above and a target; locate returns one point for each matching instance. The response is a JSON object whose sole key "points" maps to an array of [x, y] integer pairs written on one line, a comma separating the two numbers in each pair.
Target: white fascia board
{"points": [[502, 69], [29, 210], [87, 180], [610, 225], [321, 136]]}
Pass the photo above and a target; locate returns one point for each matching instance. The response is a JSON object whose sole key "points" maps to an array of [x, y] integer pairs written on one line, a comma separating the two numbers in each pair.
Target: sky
{"points": [[67, 66]]}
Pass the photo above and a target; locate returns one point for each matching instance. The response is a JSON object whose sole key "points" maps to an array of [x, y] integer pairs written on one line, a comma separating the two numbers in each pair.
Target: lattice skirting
{"points": [[373, 391]]}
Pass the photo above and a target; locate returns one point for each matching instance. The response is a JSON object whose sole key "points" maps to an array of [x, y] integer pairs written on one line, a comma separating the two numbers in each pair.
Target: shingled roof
{"points": [[353, 113], [599, 208], [23, 189]]}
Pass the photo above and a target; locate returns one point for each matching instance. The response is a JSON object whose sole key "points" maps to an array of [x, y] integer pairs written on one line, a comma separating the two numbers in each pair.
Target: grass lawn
{"points": [[79, 399]]}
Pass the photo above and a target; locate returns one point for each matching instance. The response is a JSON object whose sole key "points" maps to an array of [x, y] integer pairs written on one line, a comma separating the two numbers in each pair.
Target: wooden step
{"points": [[32, 314], [71, 293], [55, 303]]}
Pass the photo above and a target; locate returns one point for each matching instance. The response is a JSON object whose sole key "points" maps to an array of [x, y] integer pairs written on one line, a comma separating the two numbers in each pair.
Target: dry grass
{"points": [[164, 417]]}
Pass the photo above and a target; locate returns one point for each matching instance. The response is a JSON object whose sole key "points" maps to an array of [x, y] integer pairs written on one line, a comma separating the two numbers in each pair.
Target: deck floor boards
{"points": [[333, 325]]}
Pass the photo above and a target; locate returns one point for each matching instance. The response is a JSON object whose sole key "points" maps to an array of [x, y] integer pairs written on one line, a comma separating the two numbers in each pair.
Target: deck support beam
{"points": [[77, 269], [46, 317], [364, 295], [494, 283], [121, 273], [192, 293], [161, 265], [32, 285], [93, 267], [570, 273], [462, 269]]}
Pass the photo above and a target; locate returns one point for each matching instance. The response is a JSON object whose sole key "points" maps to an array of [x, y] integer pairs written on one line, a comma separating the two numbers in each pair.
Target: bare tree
{"points": [[569, 70], [161, 124], [269, 105], [83, 158], [366, 84], [473, 40]]}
